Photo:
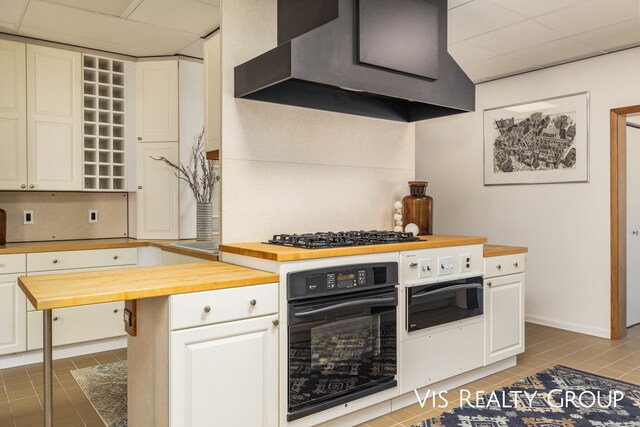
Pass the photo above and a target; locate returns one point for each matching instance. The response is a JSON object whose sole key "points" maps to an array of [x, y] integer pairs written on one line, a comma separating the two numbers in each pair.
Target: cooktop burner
{"points": [[340, 239]]}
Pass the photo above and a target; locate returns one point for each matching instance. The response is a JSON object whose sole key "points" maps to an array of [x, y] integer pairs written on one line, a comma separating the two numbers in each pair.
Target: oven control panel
{"points": [[341, 279]]}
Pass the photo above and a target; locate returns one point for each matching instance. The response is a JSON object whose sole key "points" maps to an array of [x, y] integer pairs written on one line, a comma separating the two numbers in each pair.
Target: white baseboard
{"points": [[71, 350], [569, 326]]}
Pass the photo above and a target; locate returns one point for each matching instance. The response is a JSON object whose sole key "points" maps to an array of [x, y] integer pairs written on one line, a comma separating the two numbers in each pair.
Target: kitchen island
{"points": [[75, 289]]}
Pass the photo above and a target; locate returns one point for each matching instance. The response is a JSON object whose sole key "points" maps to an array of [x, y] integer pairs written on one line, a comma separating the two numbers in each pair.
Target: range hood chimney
{"points": [[386, 59]]}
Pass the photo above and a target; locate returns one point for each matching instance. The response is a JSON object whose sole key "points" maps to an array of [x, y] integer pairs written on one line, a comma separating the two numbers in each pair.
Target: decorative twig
{"points": [[199, 174]]}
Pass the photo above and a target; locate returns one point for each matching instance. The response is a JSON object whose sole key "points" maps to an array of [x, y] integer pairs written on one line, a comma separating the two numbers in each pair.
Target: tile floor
{"points": [[21, 388], [545, 347], [21, 393]]}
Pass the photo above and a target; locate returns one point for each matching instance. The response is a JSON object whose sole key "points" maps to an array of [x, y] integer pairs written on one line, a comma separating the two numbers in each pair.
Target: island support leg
{"points": [[48, 371]]}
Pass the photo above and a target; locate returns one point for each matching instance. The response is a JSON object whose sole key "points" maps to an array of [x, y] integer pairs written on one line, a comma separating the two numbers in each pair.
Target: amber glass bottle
{"points": [[3, 227], [417, 208]]}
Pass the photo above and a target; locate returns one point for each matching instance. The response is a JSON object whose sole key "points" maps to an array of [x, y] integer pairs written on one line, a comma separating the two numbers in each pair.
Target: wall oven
{"points": [[439, 303], [342, 339]]}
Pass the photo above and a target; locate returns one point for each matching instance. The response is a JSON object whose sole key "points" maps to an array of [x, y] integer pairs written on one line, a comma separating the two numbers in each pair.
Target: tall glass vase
{"points": [[204, 221]]}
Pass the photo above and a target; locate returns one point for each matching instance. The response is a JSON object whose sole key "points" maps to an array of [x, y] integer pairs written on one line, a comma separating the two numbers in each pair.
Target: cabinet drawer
{"points": [[81, 259], [206, 308], [503, 265], [13, 264], [77, 324]]}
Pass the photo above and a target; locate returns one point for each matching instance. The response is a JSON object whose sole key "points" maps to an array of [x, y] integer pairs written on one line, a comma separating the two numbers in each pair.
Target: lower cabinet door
{"points": [[225, 374], [13, 316], [78, 324], [504, 317]]}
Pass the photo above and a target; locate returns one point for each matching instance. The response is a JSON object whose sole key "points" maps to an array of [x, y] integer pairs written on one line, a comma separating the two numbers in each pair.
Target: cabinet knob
{"points": [[55, 261], [23, 186], [207, 309], [413, 265], [515, 264], [499, 267], [139, 138], [32, 186], [253, 302], [55, 319], [635, 232], [489, 284], [115, 257], [275, 322], [139, 187]]}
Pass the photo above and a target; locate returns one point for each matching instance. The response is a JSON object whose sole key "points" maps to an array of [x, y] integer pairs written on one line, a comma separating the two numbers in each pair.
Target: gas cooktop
{"points": [[341, 239]]}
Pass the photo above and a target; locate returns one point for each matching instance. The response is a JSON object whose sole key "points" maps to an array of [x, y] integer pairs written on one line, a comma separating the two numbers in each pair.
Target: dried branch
{"points": [[199, 174]]}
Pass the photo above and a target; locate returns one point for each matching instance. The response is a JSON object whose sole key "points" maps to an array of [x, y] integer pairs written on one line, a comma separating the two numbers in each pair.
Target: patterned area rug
{"points": [[106, 388], [556, 397]]}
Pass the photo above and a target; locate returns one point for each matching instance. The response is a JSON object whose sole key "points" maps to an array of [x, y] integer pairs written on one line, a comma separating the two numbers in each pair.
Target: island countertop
{"points": [[74, 289], [286, 253]]}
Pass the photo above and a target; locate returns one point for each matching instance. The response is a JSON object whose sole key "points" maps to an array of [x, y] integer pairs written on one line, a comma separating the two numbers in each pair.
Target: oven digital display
{"points": [[342, 277]]}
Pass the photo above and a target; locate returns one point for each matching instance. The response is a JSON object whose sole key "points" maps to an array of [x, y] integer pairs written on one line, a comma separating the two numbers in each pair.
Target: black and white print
{"points": [[539, 142]]}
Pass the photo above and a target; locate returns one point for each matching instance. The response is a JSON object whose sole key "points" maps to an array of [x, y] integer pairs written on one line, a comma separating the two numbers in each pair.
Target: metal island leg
{"points": [[47, 369]]}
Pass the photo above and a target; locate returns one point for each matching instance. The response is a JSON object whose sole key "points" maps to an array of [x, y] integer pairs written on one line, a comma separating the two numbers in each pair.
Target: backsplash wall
{"points": [[64, 216]]}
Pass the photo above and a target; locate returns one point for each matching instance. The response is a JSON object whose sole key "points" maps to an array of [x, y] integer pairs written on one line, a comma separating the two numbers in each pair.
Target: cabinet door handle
{"points": [[115, 257], [139, 187], [253, 302], [207, 309], [275, 322], [139, 138], [55, 319], [32, 186], [115, 310], [499, 267], [55, 261], [23, 186], [515, 264], [489, 284]]}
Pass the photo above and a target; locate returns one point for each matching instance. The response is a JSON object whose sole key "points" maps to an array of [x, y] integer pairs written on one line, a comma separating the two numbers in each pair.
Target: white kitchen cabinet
{"points": [[13, 316], [504, 316], [225, 374], [54, 119], [157, 198], [157, 101], [13, 116]]}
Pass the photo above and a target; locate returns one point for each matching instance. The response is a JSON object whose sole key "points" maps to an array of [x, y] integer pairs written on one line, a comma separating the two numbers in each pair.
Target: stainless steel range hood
{"points": [[379, 58]]}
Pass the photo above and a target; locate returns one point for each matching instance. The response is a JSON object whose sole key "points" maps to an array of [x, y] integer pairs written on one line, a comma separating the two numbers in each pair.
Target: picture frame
{"points": [[538, 142]]}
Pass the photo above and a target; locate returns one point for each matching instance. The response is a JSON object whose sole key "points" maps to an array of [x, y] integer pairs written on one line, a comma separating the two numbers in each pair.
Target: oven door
{"points": [[439, 303], [341, 348]]}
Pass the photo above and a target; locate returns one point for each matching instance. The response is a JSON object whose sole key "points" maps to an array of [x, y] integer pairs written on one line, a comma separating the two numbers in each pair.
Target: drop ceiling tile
{"points": [[195, 49], [531, 8], [613, 37], [108, 7], [465, 53], [499, 66], [478, 17], [74, 23], [590, 15], [555, 52], [455, 3], [11, 10], [515, 37], [183, 15]]}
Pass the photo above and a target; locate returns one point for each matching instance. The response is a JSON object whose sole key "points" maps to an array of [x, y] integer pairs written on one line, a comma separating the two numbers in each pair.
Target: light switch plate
{"points": [[445, 265], [465, 263], [27, 217], [425, 269]]}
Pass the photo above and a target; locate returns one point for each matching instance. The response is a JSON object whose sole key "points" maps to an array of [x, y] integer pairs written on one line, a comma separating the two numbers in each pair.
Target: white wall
{"points": [[565, 226], [288, 169]]}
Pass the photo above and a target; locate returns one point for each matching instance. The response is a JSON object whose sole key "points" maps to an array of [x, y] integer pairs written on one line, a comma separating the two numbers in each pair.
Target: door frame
{"points": [[618, 147]]}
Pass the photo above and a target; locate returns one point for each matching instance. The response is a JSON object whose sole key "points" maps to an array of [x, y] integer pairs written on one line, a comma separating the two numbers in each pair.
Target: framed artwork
{"points": [[540, 142]]}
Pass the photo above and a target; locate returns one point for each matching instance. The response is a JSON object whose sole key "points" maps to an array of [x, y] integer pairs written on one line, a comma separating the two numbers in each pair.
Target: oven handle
{"points": [[350, 304], [447, 289]]}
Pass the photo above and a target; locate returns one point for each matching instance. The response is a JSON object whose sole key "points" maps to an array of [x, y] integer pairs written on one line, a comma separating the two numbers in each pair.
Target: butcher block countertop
{"points": [[499, 250], [74, 289], [285, 253], [85, 245]]}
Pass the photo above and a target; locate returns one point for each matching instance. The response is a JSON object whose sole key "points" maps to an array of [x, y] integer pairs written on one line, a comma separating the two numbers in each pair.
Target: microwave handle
{"points": [[350, 304], [447, 289]]}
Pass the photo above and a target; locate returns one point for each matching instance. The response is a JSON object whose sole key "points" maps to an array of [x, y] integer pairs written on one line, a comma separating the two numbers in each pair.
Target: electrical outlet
{"points": [[425, 269], [27, 217], [465, 263], [93, 216], [445, 265]]}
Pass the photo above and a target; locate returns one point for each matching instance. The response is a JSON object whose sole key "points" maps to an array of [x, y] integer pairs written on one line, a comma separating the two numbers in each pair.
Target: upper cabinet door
{"points": [[54, 119], [157, 101], [13, 116]]}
